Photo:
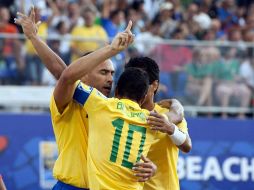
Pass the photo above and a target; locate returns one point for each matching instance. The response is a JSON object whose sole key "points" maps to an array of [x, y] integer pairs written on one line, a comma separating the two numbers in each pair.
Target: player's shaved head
{"points": [[101, 77]]}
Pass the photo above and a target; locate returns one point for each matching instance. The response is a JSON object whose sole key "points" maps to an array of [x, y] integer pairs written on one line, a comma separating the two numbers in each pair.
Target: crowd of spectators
{"points": [[203, 75]]}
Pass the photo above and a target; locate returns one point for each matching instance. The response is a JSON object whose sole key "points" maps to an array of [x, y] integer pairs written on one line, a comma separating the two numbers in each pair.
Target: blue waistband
{"points": [[67, 186]]}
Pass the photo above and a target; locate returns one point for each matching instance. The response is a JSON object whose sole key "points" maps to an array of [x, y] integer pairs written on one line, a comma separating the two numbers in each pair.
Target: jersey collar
{"points": [[131, 103]]}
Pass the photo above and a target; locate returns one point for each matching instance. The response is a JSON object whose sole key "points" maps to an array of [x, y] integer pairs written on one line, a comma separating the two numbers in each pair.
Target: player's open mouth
{"points": [[107, 88]]}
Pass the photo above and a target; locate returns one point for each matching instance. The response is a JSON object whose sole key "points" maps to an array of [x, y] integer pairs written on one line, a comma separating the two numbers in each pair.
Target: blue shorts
{"points": [[63, 186]]}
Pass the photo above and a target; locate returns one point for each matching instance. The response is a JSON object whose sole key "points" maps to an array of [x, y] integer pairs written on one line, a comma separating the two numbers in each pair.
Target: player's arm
{"points": [[144, 170], [181, 139], [176, 111], [65, 87], [2, 185], [50, 59]]}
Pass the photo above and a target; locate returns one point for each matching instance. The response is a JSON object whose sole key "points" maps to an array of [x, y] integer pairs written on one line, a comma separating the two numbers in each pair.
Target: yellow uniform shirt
{"points": [[71, 135], [165, 155], [118, 135], [95, 31], [42, 32]]}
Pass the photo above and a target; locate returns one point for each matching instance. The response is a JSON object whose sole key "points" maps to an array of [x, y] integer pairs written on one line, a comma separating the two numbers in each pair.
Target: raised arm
{"points": [[50, 59], [66, 85]]}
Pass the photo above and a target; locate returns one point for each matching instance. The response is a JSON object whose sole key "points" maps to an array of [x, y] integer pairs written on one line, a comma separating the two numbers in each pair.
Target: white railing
{"points": [[193, 43], [12, 97], [26, 98]]}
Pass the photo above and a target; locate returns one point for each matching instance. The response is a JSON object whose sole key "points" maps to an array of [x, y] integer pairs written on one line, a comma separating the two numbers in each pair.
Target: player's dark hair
{"points": [[147, 64], [133, 84]]}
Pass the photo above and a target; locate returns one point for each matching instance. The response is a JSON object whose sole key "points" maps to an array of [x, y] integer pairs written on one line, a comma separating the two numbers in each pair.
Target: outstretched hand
{"points": [[123, 39], [30, 28]]}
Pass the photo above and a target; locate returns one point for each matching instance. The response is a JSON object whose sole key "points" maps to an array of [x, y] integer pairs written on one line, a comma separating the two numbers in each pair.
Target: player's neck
{"points": [[124, 97], [149, 105]]}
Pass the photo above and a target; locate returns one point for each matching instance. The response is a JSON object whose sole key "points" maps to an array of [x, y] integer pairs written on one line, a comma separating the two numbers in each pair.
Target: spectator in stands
{"points": [[226, 14], [75, 19], [88, 30], [250, 21], [11, 58], [247, 70], [149, 39], [200, 71], [216, 28], [60, 12], [248, 35], [152, 8], [112, 20], [172, 65], [61, 31], [165, 16], [229, 83], [209, 7], [34, 67], [135, 16]]}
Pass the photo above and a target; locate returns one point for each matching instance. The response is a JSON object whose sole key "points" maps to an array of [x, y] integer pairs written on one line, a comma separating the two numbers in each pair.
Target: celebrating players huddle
{"points": [[127, 142]]}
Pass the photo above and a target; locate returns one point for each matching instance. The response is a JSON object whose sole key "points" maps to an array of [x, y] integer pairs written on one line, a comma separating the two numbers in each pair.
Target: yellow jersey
{"points": [[95, 31], [42, 32], [118, 135], [71, 133], [165, 155]]}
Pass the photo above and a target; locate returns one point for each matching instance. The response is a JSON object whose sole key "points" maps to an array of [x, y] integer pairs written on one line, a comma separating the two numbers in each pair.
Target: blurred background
{"points": [[205, 50]]}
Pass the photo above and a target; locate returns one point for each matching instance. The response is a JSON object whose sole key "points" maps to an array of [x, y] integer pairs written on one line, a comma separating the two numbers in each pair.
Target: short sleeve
{"points": [[55, 114]]}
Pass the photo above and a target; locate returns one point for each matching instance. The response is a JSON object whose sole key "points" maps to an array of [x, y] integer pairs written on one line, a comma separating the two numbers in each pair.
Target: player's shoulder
{"points": [[82, 92], [83, 87], [160, 109]]}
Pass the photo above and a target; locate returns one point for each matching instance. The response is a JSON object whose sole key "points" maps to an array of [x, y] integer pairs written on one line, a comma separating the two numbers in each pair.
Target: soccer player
{"points": [[118, 130], [170, 138], [72, 135]]}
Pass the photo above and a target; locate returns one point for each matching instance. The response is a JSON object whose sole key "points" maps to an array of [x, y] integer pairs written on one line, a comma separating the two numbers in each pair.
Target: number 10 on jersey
{"points": [[118, 125]]}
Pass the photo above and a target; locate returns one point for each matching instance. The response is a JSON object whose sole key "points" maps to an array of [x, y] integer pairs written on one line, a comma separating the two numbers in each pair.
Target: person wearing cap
{"points": [[165, 16], [89, 31]]}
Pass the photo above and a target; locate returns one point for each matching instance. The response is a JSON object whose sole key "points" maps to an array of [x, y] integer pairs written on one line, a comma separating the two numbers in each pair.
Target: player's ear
{"points": [[155, 85], [142, 100]]}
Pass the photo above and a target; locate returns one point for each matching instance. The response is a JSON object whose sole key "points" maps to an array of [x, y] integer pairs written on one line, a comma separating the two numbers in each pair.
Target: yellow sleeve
{"points": [[183, 126], [55, 115], [88, 97]]}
